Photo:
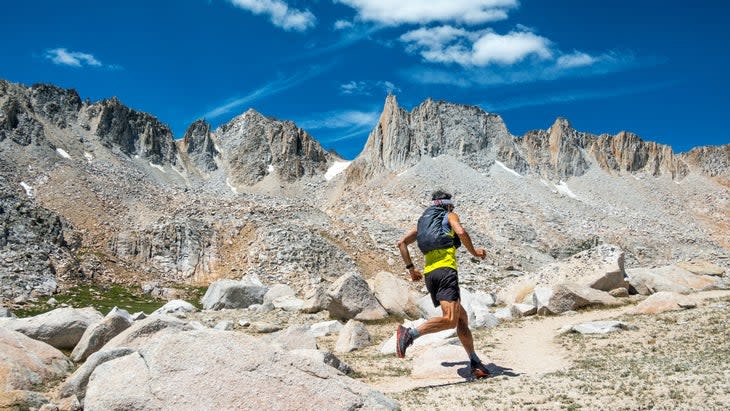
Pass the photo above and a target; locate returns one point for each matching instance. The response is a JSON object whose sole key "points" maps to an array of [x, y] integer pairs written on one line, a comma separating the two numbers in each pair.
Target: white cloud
{"points": [[576, 59], [447, 44], [64, 57], [365, 88], [571, 96], [279, 12], [269, 89], [394, 13], [343, 24], [341, 119], [528, 71]]}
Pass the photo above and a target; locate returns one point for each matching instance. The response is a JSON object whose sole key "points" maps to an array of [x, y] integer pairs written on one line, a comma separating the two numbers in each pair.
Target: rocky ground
{"points": [[674, 360]]}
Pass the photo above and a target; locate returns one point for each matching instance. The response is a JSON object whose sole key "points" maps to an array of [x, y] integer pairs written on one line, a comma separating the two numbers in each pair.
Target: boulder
{"points": [[440, 362], [176, 308], [664, 301], [97, 335], [476, 305], [670, 278], [395, 295], [224, 325], [5, 313], [325, 357], [75, 384], [315, 300], [210, 369], [263, 327], [325, 328], [233, 294], [61, 328], [504, 313], [294, 337], [278, 291], [522, 310], [599, 327], [25, 365], [350, 297], [354, 335], [288, 303], [700, 267], [601, 268], [568, 297], [143, 331], [426, 308]]}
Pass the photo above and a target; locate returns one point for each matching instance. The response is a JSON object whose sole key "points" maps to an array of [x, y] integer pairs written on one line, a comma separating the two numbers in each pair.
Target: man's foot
{"points": [[403, 339], [478, 370]]}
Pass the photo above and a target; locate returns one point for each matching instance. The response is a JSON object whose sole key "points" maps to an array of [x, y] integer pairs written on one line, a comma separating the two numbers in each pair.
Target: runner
{"points": [[439, 233]]}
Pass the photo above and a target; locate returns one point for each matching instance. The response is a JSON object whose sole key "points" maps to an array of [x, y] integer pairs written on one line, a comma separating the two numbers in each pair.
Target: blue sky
{"points": [[654, 68]]}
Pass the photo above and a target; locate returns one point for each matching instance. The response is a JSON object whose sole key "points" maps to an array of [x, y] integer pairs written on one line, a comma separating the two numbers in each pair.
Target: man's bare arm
{"points": [[464, 237], [403, 243]]}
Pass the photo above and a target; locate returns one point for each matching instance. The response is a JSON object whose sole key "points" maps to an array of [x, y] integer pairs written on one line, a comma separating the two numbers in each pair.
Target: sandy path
{"points": [[527, 348]]}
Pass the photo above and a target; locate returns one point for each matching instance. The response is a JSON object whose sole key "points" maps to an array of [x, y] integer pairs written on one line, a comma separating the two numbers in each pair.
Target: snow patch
{"points": [[28, 189], [509, 170], [228, 183], [157, 166], [63, 153], [336, 168], [270, 168], [88, 156], [565, 190], [179, 172]]}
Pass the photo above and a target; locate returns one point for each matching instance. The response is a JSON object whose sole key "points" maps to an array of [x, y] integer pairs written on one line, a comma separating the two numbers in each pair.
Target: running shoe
{"points": [[403, 339], [478, 370]]}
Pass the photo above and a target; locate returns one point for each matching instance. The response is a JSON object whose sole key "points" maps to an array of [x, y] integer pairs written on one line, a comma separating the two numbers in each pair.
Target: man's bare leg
{"points": [[463, 331], [450, 318]]}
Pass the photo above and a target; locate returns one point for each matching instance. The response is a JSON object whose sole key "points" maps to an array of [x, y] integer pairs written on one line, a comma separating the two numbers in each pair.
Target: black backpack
{"points": [[434, 229]]}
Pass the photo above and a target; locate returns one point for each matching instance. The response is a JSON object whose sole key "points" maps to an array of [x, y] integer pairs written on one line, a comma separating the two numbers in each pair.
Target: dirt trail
{"points": [[527, 348]]}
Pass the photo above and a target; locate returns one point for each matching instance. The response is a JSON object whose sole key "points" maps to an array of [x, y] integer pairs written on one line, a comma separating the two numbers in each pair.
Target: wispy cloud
{"points": [[393, 13], [279, 13], [567, 97], [341, 125], [269, 89], [367, 88], [527, 72], [64, 57], [340, 119]]}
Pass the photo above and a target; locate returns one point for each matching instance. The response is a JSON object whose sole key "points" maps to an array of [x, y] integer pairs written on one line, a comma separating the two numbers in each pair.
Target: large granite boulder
{"points": [[569, 297], [395, 295], [232, 294], [350, 297], [354, 335], [26, 364], [601, 268], [101, 333], [144, 331], [61, 328], [211, 369], [670, 278], [75, 384], [176, 308], [664, 301]]}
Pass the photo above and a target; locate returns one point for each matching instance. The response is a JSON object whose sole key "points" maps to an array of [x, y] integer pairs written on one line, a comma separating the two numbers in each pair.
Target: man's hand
{"points": [[415, 274], [480, 253]]}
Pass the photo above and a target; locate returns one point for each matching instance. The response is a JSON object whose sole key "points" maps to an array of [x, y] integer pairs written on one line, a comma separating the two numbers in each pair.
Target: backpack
{"points": [[434, 230]]}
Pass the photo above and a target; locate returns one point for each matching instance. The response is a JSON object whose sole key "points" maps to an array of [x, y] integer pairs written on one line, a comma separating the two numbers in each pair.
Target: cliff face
{"points": [[256, 146], [135, 133], [401, 139], [713, 161], [200, 147]]}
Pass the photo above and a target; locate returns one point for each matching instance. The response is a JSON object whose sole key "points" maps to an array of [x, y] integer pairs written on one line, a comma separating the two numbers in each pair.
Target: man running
{"points": [[439, 233]]}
